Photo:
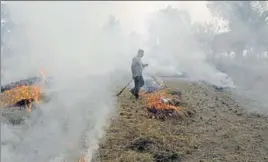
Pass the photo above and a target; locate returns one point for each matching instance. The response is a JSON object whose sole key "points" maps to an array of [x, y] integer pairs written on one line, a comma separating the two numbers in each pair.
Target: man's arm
{"points": [[144, 65]]}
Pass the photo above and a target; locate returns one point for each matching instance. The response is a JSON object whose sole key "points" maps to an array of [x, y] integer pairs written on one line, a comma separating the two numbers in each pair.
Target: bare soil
{"points": [[219, 130]]}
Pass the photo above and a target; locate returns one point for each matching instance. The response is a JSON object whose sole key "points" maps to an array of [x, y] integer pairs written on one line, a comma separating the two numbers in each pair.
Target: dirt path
{"points": [[219, 131]]}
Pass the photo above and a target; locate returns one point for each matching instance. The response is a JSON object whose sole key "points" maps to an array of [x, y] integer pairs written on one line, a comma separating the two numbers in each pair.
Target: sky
{"points": [[136, 14]]}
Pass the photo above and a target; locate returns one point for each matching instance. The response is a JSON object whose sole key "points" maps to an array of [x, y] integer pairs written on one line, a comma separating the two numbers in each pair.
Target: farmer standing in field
{"points": [[137, 68]]}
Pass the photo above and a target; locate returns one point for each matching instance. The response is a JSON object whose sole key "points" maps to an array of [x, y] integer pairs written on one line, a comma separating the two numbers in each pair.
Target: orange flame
{"points": [[20, 93], [154, 100], [43, 74], [13, 96], [83, 159]]}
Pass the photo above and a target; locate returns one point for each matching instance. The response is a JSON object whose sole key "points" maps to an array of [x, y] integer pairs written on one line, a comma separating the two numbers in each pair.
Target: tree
{"points": [[204, 34], [112, 24], [248, 26], [170, 29]]}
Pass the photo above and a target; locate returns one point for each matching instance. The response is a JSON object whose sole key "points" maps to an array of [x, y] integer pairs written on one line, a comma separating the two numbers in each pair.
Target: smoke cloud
{"points": [[87, 53], [246, 42], [175, 49], [69, 41]]}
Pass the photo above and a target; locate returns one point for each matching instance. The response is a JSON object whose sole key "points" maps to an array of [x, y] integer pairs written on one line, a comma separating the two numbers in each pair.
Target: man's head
{"points": [[140, 53]]}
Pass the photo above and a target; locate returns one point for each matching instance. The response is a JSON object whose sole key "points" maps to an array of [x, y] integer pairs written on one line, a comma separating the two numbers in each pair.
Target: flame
{"points": [[19, 93], [27, 92], [154, 100], [13, 96], [83, 159], [43, 74]]}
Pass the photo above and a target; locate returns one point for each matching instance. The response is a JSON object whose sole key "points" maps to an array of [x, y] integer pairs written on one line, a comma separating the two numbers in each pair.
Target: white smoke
{"points": [[175, 50], [69, 40]]}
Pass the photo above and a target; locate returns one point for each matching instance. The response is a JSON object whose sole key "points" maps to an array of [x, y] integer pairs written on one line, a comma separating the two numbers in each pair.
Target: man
{"points": [[137, 68]]}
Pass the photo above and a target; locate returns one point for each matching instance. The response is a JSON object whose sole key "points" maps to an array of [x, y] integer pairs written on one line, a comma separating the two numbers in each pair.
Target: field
{"points": [[216, 128], [219, 130]]}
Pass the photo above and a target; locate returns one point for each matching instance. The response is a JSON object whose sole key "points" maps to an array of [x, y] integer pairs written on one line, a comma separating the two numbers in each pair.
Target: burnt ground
{"points": [[220, 130]]}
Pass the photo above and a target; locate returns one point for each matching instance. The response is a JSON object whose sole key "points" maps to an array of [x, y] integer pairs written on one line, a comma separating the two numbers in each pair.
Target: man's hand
{"points": [[145, 65]]}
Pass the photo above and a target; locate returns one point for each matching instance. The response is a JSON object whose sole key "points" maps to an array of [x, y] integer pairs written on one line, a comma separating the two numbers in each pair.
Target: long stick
{"points": [[119, 93]]}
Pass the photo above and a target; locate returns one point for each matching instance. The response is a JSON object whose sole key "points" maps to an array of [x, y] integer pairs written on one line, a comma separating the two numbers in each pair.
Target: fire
{"points": [[23, 93], [157, 100], [163, 104], [43, 74], [83, 159]]}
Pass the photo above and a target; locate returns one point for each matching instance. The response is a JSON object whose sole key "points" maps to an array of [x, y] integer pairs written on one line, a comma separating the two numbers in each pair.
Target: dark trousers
{"points": [[138, 82]]}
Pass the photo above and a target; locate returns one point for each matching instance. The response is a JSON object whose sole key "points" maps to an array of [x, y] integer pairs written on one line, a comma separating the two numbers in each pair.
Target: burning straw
{"points": [[22, 93], [163, 103], [25, 94]]}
